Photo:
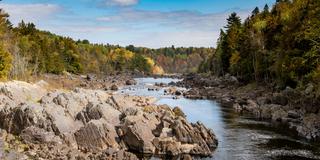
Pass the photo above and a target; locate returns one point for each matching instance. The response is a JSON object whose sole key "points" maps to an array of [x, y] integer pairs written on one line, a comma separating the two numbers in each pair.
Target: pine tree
{"points": [[256, 11]]}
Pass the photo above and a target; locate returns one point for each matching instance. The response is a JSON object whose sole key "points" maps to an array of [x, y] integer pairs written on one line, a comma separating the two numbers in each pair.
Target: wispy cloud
{"points": [[120, 2], [178, 19], [180, 28], [30, 12], [125, 25]]}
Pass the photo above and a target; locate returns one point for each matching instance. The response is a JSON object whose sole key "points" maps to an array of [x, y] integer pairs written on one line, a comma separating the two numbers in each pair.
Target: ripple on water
{"points": [[281, 154]]}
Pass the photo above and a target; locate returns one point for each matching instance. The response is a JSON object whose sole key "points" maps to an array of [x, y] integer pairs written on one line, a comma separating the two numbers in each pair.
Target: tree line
{"points": [[176, 59], [280, 45], [25, 51]]}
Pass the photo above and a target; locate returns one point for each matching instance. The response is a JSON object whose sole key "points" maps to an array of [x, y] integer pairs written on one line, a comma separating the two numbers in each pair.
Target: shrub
{"points": [[5, 63]]}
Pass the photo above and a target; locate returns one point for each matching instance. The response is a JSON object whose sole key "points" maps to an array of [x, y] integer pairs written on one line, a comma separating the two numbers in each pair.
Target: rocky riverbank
{"points": [[40, 122], [299, 109]]}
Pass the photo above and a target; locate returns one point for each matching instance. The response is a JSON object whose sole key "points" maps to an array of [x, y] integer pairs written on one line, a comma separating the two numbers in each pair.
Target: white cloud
{"points": [[30, 12], [83, 29], [121, 2], [178, 38], [180, 28], [126, 25]]}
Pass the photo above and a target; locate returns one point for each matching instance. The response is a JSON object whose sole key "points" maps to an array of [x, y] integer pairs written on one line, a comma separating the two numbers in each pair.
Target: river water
{"points": [[240, 137]]}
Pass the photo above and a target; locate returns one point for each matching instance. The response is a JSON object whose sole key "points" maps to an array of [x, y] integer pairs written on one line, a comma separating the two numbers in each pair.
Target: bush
{"points": [[5, 63]]}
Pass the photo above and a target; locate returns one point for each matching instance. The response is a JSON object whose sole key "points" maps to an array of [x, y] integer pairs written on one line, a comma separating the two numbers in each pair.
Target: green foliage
{"points": [[175, 59], [37, 52], [5, 63], [139, 62], [281, 45]]}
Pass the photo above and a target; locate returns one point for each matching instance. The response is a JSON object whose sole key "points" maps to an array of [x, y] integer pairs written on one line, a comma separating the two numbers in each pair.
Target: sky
{"points": [[148, 23]]}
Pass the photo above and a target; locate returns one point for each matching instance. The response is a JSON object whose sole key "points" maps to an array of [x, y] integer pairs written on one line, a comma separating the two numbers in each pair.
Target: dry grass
{"points": [[63, 82]]}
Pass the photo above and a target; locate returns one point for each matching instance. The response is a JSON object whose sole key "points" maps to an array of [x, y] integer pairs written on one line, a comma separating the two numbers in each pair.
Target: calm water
{"points": [[240, 137]]}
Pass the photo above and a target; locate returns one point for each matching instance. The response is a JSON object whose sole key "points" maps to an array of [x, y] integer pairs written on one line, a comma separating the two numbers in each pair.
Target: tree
{"points": [[5, 63], [229, 41], [266, 9], [233, 21], [256, 11]]}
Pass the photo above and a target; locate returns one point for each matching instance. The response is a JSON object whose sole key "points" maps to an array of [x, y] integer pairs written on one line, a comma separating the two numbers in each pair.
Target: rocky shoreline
{"points": [[40, 122], [297, 109]]}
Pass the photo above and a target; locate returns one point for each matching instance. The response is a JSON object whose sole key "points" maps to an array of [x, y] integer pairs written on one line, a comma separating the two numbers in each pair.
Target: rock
{"points": [[310, 127], [131, 82], [138, 137], [136, 132], [171, 90], [178, 112], [193, 94], [237, 107], [160, 84], [233, 80], [279, 115], [309, 89], [22, 92], [263, 101], [201, 140], [289, 92], [37, 135], [279, 99], [99, 111], [113, 154], [96, 135], [114, 87], [294, 114], [61, 122], [14, 120], [91, 124], [252, 107], [178, 93], [172, 83], [89, 77]]}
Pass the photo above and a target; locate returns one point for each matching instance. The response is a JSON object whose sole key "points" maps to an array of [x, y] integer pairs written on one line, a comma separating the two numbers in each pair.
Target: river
{"points": [[240, 137]]}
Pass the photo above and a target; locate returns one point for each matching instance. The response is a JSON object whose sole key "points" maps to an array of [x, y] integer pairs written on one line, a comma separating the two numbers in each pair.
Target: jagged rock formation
{"points": [[96, 124]]}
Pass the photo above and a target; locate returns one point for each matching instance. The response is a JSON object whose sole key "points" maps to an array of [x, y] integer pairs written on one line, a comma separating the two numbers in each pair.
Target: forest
{"points": [[278, 45], [176, 59], [26, 51]]}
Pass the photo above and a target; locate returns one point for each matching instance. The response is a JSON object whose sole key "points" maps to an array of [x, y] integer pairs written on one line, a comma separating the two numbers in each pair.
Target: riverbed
{"points": [[241, 137]]}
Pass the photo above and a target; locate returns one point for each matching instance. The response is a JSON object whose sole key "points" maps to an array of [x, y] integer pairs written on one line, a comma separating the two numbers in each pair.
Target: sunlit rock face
{"points": [[82, 122]]}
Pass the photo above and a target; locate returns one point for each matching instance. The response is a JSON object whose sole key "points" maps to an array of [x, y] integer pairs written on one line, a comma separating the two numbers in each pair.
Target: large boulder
{"points": [[99, 111], [96, 135], [35, 135], [22, 92], [114, 87], [136, 131], [16, 119], [131, 82], [180, 137]]}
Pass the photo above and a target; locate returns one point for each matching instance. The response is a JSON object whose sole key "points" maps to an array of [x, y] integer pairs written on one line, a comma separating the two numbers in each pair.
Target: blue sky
{"points": [[150, 23]]}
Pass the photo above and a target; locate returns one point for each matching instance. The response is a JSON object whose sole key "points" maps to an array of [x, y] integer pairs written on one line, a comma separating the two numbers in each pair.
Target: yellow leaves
{"points": [[5, 63], [260, 25], [157, 70], [121, 53], [125, 59], [150, 61], [285, 15], [235, 58]]}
